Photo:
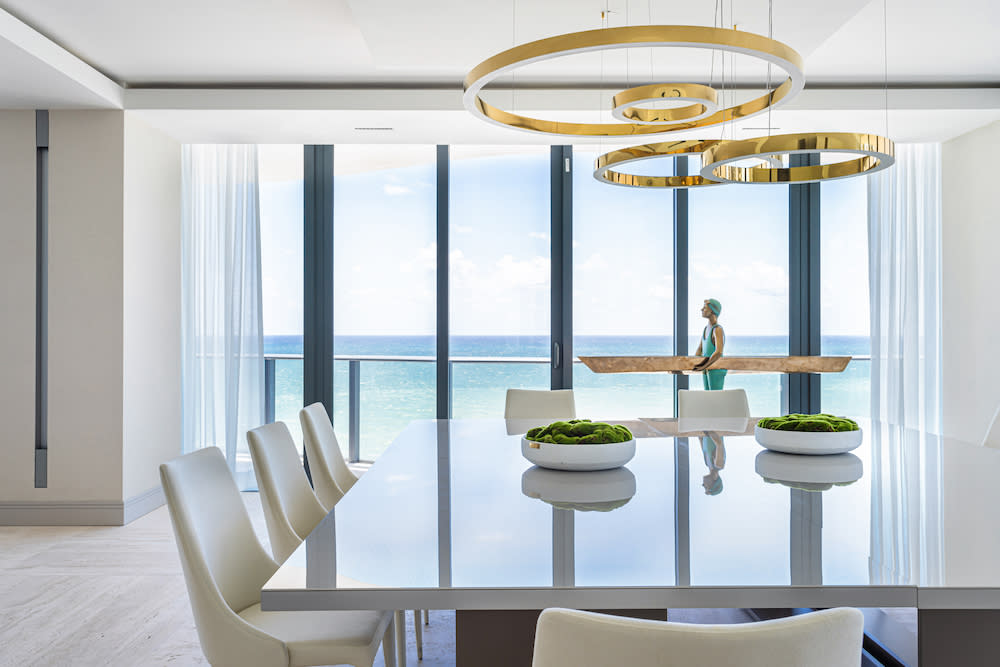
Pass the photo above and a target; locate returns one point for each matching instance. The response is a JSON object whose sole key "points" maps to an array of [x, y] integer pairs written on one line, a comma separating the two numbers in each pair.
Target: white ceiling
{"points": [[191, 56]]}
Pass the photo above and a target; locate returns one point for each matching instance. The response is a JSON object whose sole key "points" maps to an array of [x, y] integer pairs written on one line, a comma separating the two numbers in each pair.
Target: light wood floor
{"points": [[116, 596]]}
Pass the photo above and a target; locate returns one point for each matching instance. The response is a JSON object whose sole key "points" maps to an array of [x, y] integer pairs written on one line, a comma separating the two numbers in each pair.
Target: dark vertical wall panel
{"points": [[443, 349], [317, 339], [803, 389], [41, 297], [680, 273], [561, 301]]}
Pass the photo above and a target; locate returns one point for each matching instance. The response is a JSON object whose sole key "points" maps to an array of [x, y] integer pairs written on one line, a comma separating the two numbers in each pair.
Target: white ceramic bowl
{"points": [[804, 442], [578, 457]]}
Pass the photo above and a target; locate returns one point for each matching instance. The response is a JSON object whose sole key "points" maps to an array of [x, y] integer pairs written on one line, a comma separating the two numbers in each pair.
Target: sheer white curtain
{"points": [[904, 264], [223, 338], [904, 275]]}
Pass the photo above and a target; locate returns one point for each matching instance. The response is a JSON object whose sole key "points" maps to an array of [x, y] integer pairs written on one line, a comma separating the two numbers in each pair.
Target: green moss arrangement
{"points": [[811, 423], [579, 432]]}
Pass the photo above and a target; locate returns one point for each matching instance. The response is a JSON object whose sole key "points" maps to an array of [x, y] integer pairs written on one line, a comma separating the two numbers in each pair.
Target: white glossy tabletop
{"points": [[452, 516]]}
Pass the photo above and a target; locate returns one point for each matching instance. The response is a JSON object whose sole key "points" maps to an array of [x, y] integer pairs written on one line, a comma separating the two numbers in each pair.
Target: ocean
{"points": [[395, 392]]}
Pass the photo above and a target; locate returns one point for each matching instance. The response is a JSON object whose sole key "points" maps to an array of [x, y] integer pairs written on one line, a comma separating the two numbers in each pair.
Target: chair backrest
{"points": [[721, 403], [224, 563], [992, 438], [829, 638], [531, 403], [291, 509], [331, 476]]}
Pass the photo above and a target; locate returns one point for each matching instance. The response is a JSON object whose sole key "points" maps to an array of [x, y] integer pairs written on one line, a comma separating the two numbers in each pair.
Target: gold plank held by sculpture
{"points": [[685, 365]]}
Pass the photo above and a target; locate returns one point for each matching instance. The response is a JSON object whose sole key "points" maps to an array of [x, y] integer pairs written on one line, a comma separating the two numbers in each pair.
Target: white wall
{"points": [[17, 304], [971, 274], [113, 316], [85, 305], [152, 304]]}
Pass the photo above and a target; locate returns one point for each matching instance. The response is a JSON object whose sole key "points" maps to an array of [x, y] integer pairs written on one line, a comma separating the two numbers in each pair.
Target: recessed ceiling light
{"points": [[375, 129]]}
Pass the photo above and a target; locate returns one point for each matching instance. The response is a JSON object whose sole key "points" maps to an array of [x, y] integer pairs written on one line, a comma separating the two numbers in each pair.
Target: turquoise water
{"points": [[393, 393]]}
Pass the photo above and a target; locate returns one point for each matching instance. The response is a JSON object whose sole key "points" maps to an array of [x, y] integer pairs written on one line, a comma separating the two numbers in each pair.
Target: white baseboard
{"points": [[67, 513], [143, 504], [61, 513]]}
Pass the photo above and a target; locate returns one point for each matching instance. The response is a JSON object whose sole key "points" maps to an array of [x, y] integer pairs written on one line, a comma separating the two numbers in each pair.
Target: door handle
{"points": [[556, 355]]}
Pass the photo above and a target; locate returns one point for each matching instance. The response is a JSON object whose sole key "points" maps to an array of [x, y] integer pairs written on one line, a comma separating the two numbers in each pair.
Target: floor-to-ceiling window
{"points": [[385, 211], [738, 254], [623, 291], [499, 274], [844, 311], [280, 168], [384, 223]]}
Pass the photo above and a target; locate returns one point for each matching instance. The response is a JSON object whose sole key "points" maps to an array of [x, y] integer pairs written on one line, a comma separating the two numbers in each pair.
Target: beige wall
{"points": [[17, 304], [113, 316], [152, 304], [971, 273], [85, 305]]}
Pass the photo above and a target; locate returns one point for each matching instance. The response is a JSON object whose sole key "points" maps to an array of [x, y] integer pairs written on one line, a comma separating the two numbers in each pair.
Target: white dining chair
{"points": [[291, 509], [544, 403], [332, 479], [992, 438], [730, 403], [569, 638], [330, 475], [225, 567]]}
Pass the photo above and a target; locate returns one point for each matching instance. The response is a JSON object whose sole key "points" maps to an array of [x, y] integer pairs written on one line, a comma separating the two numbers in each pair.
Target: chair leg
{"points": [[389, 644], [419, 632], [400, 617], [427, 616]]}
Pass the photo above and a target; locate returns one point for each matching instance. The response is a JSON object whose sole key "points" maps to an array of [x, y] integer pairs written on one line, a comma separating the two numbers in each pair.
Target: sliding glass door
{"points": [[499, 275], [384, 225], [623, 294], [738, 254]]}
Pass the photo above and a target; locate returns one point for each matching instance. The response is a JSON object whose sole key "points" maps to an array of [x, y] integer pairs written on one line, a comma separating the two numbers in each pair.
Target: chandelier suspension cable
{"points": [[770, 35], [722, 75], [732, 74], [628, 52], [711, 72], [605, 20], [649, 14], [885, 62], [513, 43]]}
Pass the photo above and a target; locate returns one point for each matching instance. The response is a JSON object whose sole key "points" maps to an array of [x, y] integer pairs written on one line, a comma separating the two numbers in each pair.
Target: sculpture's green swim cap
{"points": [[715, 306]]}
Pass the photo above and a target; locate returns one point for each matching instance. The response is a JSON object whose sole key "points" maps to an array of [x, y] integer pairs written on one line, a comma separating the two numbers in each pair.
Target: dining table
{"points": [[453, 516]]}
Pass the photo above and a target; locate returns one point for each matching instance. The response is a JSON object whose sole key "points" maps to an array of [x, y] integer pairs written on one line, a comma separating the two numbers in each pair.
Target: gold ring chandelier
{"points": [[625, 105], [720, 39], [718, 155]]}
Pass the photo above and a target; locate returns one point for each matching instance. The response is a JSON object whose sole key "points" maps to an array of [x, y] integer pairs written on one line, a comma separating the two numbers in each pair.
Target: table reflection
{"points": [[597, 491], [809, 473], [713, 450]]}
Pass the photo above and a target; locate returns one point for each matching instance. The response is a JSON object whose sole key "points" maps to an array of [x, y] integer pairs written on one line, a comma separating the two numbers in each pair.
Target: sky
{"points": [[385, 251]]}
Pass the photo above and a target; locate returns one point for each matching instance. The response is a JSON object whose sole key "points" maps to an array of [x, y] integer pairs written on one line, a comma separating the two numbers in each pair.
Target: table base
{"points": [[506, 637], [958, 637]]}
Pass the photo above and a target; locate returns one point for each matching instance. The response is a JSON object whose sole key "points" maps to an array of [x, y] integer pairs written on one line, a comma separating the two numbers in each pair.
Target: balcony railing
{"points": [[354, 383]]}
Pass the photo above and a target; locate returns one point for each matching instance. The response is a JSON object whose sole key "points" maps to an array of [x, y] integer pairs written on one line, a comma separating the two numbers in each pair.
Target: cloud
{"points": [[539, 235], [513, 274], [396, 190], [662, 289], [462, 229], [424, 259], [594, 263]]}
